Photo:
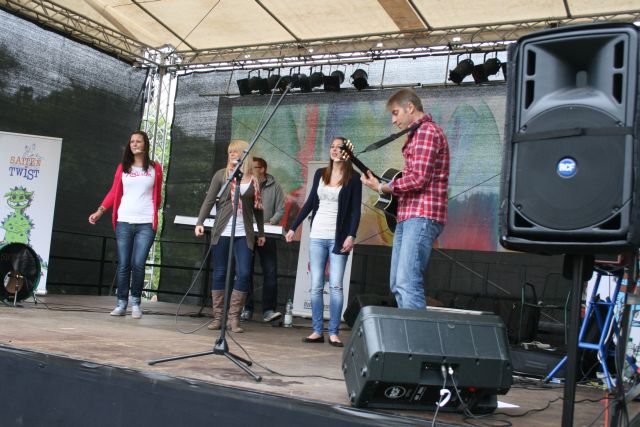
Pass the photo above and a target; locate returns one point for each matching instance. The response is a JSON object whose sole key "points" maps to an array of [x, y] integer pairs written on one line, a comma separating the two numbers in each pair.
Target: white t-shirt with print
{"points": [[136, 206]]}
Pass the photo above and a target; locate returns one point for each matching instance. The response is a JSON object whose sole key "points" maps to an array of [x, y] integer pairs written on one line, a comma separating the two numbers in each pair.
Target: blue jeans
{"points": [[320, 250], [412, 243], [243, 258], [134, 242], [269, 262]]}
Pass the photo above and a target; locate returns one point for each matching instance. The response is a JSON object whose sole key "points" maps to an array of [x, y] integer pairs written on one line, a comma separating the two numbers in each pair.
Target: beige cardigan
{"points": [[224, 209]]}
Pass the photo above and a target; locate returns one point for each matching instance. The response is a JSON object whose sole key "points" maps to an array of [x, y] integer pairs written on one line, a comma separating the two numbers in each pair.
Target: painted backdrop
{"points": [[303, 127]]}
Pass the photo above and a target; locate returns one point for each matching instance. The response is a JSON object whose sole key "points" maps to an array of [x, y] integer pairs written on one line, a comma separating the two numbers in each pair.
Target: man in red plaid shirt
{"points": [[421, 191]]}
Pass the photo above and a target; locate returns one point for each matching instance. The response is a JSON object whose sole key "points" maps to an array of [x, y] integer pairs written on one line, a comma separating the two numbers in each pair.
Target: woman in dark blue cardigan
{"points": [[334, 204]]}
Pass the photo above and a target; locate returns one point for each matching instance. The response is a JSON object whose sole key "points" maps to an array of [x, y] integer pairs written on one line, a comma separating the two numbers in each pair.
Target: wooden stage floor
{"points": [[80, 327]]}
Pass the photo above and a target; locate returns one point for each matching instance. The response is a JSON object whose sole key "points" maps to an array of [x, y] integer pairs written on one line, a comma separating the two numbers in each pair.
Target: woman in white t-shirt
{"points": [[135, 197], [334, 204]]}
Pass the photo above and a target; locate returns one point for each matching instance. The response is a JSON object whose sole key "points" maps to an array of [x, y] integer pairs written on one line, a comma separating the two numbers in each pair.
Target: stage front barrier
{"points": [[407, 359]]}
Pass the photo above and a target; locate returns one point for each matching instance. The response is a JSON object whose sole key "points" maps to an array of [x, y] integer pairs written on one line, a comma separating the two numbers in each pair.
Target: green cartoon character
{"points": [[18, 225]]}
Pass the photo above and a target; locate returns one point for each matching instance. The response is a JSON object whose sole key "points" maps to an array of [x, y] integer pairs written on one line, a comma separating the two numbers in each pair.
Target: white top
{"points": [[136, 206], [240, 231], [324, 222]]}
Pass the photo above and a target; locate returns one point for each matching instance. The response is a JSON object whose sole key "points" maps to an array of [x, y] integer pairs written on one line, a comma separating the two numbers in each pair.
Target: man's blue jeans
{"points": [[320, 250], [133, 242], [243, 258], [412, 244], [268, 254]]}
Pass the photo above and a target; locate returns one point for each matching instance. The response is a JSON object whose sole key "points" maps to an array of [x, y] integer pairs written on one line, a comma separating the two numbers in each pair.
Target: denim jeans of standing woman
{"points": [[133, 242], [320, 250], [243, 258]]}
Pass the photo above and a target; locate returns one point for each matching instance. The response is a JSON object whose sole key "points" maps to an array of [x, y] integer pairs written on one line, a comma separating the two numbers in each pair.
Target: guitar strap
{"points": [[390, 138]]}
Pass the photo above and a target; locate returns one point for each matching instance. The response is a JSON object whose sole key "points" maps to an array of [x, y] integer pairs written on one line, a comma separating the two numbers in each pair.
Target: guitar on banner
{"points": [[386, 202]]}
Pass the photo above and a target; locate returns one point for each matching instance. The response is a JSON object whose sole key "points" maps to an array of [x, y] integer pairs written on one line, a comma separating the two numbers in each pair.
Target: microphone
{"points": [[390, 138], [235, 161]]}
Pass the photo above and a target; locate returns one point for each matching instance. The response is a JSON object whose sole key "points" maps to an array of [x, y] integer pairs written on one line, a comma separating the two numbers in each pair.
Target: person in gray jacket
{"points": [[273, 210], [249, 207]]}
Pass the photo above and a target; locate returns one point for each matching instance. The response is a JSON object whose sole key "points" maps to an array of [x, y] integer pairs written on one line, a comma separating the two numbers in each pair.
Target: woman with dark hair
{"points": [[136, 195], [334, 204]]}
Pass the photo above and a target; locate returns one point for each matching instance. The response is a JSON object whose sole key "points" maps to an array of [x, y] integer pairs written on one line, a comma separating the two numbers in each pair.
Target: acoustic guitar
{"points": [[386, 202]]}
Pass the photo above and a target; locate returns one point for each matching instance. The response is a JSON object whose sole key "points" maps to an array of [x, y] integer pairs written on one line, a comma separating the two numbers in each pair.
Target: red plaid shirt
{"points": [[422, 188]]}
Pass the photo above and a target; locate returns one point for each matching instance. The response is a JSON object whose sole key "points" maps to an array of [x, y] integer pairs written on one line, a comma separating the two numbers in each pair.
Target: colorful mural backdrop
{"points": [[472, 118]]}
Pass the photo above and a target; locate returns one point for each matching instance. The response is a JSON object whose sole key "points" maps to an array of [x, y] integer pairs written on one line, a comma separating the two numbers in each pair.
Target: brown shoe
{"points": [[217, 303], [235, 308]]}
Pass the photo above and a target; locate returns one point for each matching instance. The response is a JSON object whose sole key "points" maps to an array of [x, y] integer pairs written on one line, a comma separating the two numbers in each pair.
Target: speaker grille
{"points": [[592, 196]]}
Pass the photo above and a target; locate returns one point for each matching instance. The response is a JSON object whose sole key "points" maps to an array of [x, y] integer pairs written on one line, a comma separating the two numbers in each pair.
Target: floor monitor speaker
{"points": [[363, 300], [402, 359]]}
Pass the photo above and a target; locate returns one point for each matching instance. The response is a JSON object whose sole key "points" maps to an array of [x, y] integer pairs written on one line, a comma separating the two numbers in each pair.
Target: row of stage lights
{"points": [[359, 78], [330, 83], [480, 73]]}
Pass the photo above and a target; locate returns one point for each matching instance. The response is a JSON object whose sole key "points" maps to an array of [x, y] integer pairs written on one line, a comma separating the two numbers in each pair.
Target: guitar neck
{"points": [[362, 167]]}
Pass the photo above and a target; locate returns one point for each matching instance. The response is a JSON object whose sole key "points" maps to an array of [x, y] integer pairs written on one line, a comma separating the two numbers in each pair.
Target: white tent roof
{"points": [[239, 32]]}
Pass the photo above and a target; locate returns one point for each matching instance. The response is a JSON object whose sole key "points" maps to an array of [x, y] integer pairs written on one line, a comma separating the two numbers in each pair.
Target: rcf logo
{"points": [[567, 167], [26, 165], [395, 392]]}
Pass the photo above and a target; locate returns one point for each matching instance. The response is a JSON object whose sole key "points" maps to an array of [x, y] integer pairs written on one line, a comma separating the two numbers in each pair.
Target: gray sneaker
{"points": [[119, 311], [246, 315], [136, 312], [270, 316]]}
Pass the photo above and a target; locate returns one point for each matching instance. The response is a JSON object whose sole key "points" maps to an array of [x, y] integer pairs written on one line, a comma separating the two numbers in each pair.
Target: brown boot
{"points": [[235, 308], [217, 302]]}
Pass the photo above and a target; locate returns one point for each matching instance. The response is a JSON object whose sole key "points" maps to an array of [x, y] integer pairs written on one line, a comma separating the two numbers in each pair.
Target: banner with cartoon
{"points": [[29, 167]]}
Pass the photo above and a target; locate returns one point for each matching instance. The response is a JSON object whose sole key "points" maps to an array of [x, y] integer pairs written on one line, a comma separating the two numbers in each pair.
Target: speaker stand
{"points": [[578, 263]]}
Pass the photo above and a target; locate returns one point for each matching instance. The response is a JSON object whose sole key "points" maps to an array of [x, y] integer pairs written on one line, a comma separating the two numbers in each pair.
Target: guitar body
{"points": [[386, 202]]}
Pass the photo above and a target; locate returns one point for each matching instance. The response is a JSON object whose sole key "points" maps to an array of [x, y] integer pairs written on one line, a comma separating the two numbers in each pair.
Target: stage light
{"points": [[302, 82], [482, 72], [284, 82], [462, 70], [243, 87], [332, 83], [258, 84], [359, 79], [316, 79], [272, 81]]}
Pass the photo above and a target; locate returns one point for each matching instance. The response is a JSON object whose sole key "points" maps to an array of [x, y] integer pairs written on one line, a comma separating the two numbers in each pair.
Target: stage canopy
{"points": [[235, 33]]}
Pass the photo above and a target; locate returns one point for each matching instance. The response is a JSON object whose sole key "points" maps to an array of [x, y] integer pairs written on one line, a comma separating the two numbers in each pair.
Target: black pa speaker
{"points": [[571, 151], [353, 309], [402, 359]]}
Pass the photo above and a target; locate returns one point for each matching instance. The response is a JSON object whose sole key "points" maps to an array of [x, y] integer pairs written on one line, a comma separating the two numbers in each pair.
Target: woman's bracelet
{"points": [[380, 184], [101, 209]]}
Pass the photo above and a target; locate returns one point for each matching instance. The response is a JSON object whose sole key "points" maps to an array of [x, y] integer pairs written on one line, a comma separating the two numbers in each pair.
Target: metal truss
{"points": [[156, 122], [371, 47], [82, 28]]}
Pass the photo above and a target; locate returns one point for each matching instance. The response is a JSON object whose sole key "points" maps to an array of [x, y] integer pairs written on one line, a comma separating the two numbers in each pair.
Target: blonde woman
{"points": [[249, 207]]}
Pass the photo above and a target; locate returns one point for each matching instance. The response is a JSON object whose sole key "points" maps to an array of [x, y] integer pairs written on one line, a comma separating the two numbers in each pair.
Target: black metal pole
{"points": [[578, 263]]}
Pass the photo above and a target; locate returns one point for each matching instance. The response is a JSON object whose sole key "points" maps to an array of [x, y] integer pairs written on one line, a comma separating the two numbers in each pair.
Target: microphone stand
{"points": [[221, 348]]}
